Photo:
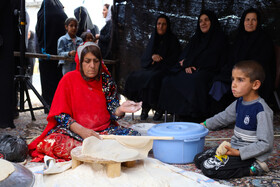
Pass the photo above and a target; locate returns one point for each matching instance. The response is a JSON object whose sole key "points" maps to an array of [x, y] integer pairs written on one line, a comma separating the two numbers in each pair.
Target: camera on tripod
{"points": [[22, 79]]}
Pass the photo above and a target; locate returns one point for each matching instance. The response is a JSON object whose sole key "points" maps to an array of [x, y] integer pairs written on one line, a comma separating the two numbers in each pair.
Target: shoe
{"points": [[144, 114], [259, 168], [158, 116]]}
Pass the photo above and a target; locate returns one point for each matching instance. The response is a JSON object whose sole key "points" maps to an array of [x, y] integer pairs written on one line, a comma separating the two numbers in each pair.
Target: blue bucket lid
{"points": [[179, 130]]}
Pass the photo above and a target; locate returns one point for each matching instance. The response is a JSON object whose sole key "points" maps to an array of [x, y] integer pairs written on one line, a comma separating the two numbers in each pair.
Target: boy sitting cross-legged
{"points": [[252, 141]]}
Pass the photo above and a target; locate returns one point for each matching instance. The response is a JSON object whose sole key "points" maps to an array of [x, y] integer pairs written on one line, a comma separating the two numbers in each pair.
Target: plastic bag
{"points": [[13, 148]]}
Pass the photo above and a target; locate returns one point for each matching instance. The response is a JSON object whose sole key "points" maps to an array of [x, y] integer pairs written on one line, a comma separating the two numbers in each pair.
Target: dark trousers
{"points": [[223, 168]]}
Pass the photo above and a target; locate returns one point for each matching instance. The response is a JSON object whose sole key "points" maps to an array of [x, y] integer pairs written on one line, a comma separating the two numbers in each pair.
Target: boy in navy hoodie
{"points": [[252, 141]]}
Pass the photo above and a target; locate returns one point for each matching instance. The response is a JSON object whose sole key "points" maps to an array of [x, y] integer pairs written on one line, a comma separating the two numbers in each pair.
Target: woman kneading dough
{"points": [[85, 104]]}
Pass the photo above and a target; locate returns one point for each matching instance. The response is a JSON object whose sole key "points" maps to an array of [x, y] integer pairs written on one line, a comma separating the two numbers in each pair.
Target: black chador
{"points": [[186, 94], [48, 35]]}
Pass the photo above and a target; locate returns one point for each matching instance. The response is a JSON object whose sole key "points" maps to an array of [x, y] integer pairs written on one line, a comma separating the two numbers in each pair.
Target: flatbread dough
{"points": [[6, 169], [120, 150], [142, 145], [221, 150], [107, 150]]}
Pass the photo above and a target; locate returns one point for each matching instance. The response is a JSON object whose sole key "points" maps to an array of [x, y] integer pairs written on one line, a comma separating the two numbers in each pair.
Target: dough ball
{"points": [[221, 150], [7, 168]]}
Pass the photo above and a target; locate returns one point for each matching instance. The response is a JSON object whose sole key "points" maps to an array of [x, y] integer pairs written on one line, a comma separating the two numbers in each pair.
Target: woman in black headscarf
{"points": [[48, 31], [251, 43], [160, 56], [186, 93], [85, 22]]}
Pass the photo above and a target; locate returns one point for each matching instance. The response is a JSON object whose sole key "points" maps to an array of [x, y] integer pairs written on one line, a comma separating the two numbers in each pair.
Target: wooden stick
{"points": [[132, 137], [56, 57]]}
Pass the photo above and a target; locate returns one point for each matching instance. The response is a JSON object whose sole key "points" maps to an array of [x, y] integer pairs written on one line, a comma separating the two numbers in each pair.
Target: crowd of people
{"points": [[84, 99]]}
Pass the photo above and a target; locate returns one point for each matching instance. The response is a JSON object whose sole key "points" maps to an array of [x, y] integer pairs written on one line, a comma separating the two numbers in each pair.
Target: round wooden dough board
{"points": [[76, 154], [113, 169]]}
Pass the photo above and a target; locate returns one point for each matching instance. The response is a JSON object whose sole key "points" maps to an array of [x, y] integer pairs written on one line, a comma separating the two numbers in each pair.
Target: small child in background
{"points": [[252, 141], [68, 44], [88, 37]]}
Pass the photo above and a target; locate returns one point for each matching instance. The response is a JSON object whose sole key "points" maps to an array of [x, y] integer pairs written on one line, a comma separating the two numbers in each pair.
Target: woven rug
{"points": [[29, 129]]}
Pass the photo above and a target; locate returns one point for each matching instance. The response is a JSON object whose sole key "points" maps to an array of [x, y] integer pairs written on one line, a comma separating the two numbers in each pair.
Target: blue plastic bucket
{"points": [[189, 139]]}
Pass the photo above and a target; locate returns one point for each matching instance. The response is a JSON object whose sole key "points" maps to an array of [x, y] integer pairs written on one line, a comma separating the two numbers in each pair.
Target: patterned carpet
{"points": [[272, 178], [30, 129]]}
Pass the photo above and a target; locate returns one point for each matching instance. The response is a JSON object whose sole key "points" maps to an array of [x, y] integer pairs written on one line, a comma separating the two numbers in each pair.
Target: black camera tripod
{"points": [[22, 80]]}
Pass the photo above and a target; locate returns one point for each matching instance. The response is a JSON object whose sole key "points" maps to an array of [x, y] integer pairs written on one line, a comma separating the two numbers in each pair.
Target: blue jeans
{"points": [[69, 66]]}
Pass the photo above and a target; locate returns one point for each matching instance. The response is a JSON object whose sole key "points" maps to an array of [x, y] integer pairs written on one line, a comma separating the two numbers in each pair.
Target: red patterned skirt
{"points": [[56, 145], [60, 143]]}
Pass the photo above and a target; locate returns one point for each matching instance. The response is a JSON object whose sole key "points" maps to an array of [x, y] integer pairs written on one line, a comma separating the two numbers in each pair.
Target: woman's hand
{"points": [[190, 69], [156, 58], [97, 36], [128, 107], [72, 53], [231, 151], [181, 62], [83, 131]]}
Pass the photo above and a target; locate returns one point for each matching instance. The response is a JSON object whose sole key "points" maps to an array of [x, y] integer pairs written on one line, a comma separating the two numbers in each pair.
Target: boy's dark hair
{"points": [[68, 20], [251, 69]]}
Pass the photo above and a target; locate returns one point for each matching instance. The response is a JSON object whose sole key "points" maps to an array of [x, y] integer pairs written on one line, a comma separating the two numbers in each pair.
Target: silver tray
{"points": [[21, 177]]}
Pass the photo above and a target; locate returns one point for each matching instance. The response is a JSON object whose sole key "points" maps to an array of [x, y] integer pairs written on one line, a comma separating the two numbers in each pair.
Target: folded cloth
{"points": [[51, 167]]}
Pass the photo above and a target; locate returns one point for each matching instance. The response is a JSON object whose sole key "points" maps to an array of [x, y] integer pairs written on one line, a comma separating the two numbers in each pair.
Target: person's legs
{"points": [[50, 75], [201, 157], [68, 67], [158, 115], [226, 167], [58, 146], [145, 111], [73, 66]]}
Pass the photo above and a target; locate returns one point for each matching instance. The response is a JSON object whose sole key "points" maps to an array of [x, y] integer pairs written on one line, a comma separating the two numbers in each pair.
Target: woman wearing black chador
{"points": [[186, 92], [159, 57], [50, 26], [251, 43]]}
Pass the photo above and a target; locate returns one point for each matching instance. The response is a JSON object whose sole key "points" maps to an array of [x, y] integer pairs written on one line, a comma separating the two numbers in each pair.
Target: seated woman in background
{"points": [[85, 104], [161, 54], [251, 43], [186, 92]]}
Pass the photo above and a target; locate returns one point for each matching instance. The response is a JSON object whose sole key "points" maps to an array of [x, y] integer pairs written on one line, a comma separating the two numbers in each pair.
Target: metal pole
{"points": [[22, 38], [22, 67]]}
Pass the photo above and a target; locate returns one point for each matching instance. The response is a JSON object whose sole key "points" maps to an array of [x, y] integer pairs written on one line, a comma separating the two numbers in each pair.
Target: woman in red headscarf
{"points": [[85, 104]]}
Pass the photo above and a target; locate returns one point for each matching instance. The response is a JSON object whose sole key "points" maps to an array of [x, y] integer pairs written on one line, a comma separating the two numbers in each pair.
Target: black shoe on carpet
{"points": [[158, 116], [144, 114]]}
